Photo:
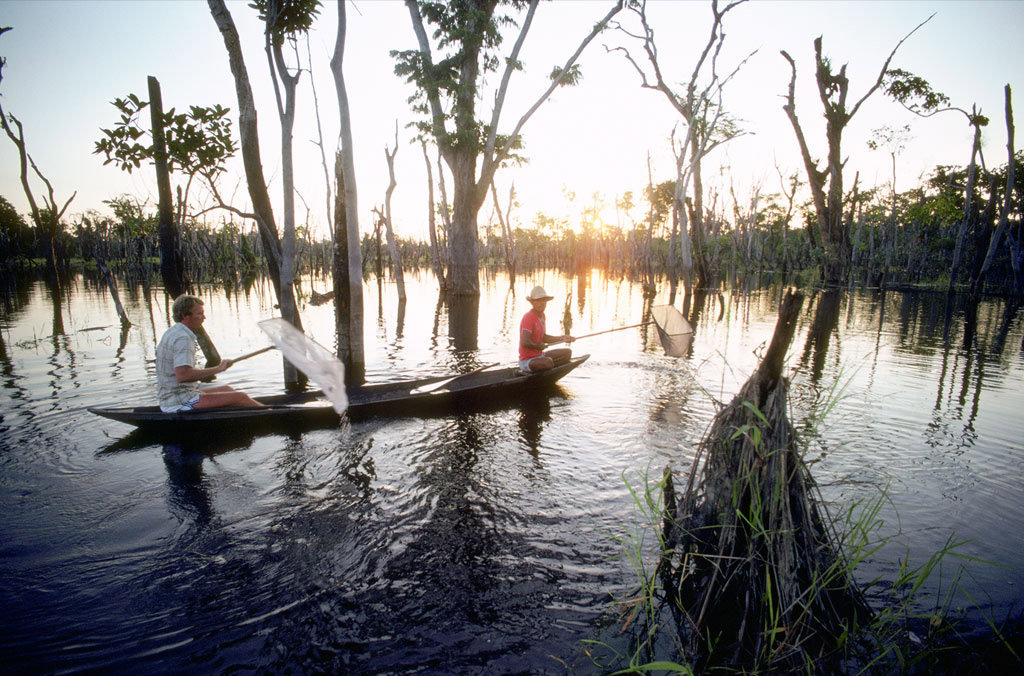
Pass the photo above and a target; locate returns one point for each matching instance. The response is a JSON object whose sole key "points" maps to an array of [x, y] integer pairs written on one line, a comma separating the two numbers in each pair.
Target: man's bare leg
{"points": [[219, 397]]}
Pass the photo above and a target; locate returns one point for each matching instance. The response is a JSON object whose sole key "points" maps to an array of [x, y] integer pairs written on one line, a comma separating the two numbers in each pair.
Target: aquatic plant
{"points": [[750, 572]]}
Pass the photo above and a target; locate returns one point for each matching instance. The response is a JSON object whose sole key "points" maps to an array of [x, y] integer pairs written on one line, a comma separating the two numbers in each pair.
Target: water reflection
{"points": [[534, 414], [6, 367], [54, 289], [400, 321], [825, 324], [188, 493], [464, 321], [456, 545], [582, 284], [1010, 310]]}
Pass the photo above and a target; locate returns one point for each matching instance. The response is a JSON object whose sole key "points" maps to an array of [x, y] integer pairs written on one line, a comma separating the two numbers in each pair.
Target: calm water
{"points": [[475, 543]]}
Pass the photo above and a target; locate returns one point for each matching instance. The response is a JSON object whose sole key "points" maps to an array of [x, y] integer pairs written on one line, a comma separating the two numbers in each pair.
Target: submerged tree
{"points": [[263, 212], [827, 185], [196, 144], [385, 216], [438, 250], [46, 218], [508, 245], [284, 21], [894, 141], [755, 571], [918, 96], [1003, 228], [707, 127], [449, 75], [347, 263]]}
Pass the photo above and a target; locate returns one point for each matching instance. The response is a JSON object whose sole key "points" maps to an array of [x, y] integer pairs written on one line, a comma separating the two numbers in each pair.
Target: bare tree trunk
{"points": [[294, 379], [320, 141], [890, 238], [681, 223], [46, 220], [508, 245], [1007, 206], [396, 256], [645, 261], [277, 261], [698, 230], [172, 265], [968, 220], [446, 216], [435, 254], [833, 89], [378, 259], [250, 144], [463, 266], [112, 287], [348, 266], [848, 218]]}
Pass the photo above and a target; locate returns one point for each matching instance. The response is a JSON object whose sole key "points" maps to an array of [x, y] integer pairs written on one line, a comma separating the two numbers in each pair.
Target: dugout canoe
{"points": [[310, 409]]}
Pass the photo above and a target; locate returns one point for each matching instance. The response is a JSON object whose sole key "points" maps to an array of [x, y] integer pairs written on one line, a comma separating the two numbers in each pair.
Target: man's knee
{"points": [[541, 363], [559, 356]]}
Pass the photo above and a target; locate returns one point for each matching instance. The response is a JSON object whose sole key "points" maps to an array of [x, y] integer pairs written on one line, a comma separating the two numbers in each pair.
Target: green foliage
{"points": [[286, 18], [570, 78], [937, 211], [15, 234], [661, 199], [891, 139], [918, 96], [121, 143], [913, 91], [130, 218], [467, 35], [197, 142]]}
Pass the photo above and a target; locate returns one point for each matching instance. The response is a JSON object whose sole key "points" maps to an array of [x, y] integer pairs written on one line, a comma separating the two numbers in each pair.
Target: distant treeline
{"points": [[902, 239]]}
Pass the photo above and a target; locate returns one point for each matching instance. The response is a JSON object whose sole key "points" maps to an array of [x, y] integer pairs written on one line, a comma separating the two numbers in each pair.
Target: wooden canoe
{"points": [[310, 409]]}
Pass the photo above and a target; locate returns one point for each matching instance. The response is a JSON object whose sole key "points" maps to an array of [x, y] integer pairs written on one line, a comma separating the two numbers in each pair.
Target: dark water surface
{"points": [[480, 542]]}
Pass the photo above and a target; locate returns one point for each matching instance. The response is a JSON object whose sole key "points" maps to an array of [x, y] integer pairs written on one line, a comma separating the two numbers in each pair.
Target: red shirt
{"points": [[534, 323]]}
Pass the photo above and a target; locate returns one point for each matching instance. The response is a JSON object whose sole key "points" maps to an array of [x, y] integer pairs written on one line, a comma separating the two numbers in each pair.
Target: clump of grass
{"points": [[749, 571], [895, 638]]}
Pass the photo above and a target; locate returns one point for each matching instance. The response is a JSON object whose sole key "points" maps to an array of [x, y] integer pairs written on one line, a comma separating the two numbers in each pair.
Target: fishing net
{"points": [[313, 359], [674, 331]]}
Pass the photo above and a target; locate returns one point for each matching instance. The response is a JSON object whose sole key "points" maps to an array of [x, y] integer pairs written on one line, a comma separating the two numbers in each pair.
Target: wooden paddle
{"points": [[235, 360], [598, 333], [210, 379], [438, 385]]}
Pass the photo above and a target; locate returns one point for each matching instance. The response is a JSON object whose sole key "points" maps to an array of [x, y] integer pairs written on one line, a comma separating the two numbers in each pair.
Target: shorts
{"points": [[524, 364], [189, 405]]}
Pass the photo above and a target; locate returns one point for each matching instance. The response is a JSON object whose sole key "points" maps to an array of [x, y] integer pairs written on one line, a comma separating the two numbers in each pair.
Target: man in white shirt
{"points": [[178, 379]]}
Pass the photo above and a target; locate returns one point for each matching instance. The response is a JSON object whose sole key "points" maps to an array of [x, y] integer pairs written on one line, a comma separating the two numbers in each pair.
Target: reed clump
{"points": [[751, 564], [751, 574]]}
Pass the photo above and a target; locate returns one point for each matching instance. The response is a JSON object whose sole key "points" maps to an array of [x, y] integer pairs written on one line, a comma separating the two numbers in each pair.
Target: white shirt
{"points": [[177, 348]]}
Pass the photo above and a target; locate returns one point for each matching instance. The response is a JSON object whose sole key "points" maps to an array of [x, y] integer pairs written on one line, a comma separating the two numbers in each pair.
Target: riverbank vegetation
{"points": [[906, 241]]}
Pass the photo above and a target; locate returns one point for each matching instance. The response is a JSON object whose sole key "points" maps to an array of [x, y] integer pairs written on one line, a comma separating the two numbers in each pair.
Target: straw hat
{"points": [[539, 293]]}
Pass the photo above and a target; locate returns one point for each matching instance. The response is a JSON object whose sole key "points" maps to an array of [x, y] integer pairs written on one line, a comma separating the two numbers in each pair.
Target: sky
{"points": [[68, 60]]}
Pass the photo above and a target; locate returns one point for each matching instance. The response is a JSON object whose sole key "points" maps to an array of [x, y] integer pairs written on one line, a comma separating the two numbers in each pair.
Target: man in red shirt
{"points": [[533, 337]]}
